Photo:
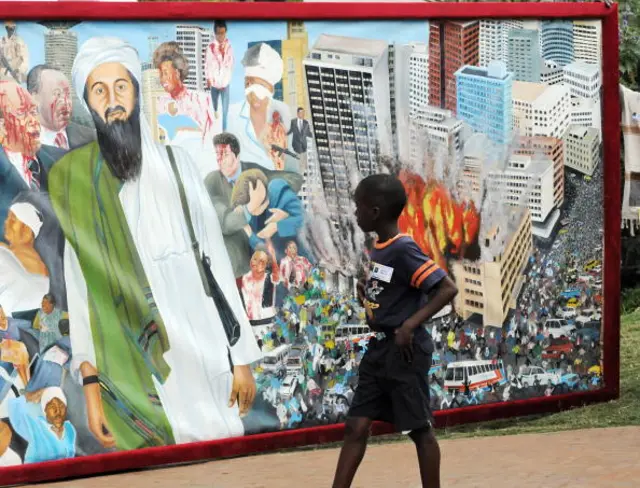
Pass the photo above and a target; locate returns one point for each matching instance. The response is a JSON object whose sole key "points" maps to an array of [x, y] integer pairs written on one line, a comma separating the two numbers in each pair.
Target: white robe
{"points": [[20, 290], [196, 392]]}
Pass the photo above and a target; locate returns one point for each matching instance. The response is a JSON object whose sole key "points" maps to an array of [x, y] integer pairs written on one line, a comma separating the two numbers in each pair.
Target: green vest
{"points": [[128, 333]]}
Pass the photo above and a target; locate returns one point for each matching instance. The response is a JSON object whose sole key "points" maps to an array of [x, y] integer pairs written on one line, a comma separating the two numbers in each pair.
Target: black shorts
{"points": [[392, 390]]}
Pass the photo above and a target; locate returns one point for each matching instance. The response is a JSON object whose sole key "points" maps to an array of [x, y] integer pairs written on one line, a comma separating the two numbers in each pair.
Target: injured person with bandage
{"points": [[259, 122], [24, 278]]}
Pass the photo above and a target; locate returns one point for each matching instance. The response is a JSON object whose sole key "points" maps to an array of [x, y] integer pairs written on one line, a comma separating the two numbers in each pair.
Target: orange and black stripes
{"points": [[423, 272]]}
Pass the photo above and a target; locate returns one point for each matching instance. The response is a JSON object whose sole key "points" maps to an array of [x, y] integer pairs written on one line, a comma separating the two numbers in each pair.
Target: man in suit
{"points": [[24, 163], [220, 184], [300, 130], [51, 91]]}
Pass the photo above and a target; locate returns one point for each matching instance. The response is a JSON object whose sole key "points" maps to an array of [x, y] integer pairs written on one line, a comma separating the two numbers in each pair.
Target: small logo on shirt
{"points": [[382, 272]]}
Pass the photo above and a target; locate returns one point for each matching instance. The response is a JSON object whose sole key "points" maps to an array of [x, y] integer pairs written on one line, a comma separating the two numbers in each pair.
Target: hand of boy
{"points": [[404, 341]]}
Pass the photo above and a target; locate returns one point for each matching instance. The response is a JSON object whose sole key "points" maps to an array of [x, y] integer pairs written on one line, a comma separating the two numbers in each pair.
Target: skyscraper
{"points": [[194, 41], [152, 91], [540, 110], [294, 49], [523, 55], [557, 41], [452, 45], [493, 39], [348, 82], [407, 66], [484, 100], [587, 41]]}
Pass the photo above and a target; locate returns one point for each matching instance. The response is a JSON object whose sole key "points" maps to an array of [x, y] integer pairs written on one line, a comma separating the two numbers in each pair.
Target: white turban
{"points": [[49, 394], [28, 215], [267, 65], [101, 50]]}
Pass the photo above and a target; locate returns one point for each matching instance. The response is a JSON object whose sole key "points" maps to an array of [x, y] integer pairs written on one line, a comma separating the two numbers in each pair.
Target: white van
{"points": [[349, 332], [276, 360]]}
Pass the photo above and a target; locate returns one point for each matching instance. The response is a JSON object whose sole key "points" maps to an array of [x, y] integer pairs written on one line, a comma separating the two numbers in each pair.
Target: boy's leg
{"points": [[352, 452], [428, 456]]}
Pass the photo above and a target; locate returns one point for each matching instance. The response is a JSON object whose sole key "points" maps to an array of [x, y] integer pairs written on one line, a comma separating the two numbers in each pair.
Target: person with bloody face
{"points": [[173, 69], [24, 164], [129, 260], [51, 91], [219, 68]]}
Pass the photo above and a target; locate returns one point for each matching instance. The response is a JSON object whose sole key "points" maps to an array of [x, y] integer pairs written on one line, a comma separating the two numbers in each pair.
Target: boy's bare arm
{"points": [[445, 291]]}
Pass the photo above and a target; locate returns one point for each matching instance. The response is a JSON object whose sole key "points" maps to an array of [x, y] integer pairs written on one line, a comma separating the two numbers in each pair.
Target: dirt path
{"points": [[580, 459]]}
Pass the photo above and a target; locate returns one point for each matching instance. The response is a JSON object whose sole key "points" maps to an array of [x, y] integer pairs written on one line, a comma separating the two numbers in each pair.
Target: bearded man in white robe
{"points": [[149, 346]]}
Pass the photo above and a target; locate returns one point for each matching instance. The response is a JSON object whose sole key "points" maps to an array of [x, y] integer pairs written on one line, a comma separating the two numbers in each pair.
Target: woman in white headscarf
{"points": [[24, 278]]}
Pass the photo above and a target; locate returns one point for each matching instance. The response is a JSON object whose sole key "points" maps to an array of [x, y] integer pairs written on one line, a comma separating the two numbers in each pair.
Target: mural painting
{"points": [[180, 252]]}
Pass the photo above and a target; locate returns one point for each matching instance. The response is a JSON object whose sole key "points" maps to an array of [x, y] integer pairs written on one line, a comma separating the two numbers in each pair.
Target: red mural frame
{"points": [[141, 458]]}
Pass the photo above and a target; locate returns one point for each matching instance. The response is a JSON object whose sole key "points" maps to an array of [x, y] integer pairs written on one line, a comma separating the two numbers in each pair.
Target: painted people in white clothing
{"points": [[260, 122], [180, 385]]}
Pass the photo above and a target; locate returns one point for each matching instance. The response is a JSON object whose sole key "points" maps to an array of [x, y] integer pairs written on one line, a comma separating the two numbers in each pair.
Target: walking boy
{"points": [[404, 288]]}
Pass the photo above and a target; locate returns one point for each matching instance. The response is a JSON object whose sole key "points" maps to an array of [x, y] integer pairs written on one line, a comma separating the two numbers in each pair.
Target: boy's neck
{"points": [[387, 231]]}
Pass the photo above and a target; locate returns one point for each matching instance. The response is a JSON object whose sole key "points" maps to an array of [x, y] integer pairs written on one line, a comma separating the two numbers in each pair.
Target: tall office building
{"points": [[484, 100], [540, 110], [523, 55], [434, 129], [551, 73], [418, 77], [294, 49], [525, 181], [587, 41], [583, 79], [557, 41], [545, 148], [194, 41], [583, 149], [493, 39], [489, 287], [348, 82], [452, 45], [60, 50], [407, 67], [312, 185], [152, 91]]}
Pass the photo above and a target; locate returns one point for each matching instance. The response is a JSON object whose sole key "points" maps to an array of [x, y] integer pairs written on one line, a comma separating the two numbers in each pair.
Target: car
{"points": [[592, 313], [570, 293], [589, 333], [564, 222], [562, 231], [535, 375], [585, 279], [289, 386], [559, 349], [594, 263], [571, 380], [572, 303], [558, 328], [567, 313]]}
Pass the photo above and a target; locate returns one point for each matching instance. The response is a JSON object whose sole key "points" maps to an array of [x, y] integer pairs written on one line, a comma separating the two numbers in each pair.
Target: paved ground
{"points": [[579, 459]]}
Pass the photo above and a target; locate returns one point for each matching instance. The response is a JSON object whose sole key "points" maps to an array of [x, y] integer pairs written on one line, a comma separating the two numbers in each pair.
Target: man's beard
{"points": [[120, 143]]}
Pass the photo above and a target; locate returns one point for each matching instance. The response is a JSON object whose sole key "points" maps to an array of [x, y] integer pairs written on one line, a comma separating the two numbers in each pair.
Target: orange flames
{"points": [[442, 227]]}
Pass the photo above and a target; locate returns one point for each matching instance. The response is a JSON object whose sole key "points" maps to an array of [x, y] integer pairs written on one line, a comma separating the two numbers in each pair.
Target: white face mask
{"points": [[260, 91]]}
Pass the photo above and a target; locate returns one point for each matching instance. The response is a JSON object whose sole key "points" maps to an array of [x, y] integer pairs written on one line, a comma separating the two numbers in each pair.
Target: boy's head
{"points": [[379, 201]]}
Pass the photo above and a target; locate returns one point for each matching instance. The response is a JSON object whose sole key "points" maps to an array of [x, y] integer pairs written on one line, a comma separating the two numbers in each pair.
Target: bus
{"points": [[477, 374], [275, 360], [351, 332]]}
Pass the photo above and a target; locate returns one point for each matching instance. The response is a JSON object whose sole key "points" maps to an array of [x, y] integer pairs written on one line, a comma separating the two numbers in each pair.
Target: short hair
{"points": [[34, 78], [299, 108], [219, 24], [240, 195], [171, 51], [50, 298], [226, 138], [384, 191]]}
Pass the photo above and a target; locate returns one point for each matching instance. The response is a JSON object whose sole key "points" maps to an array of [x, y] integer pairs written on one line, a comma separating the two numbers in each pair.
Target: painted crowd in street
{"points": [[179, 250]]}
